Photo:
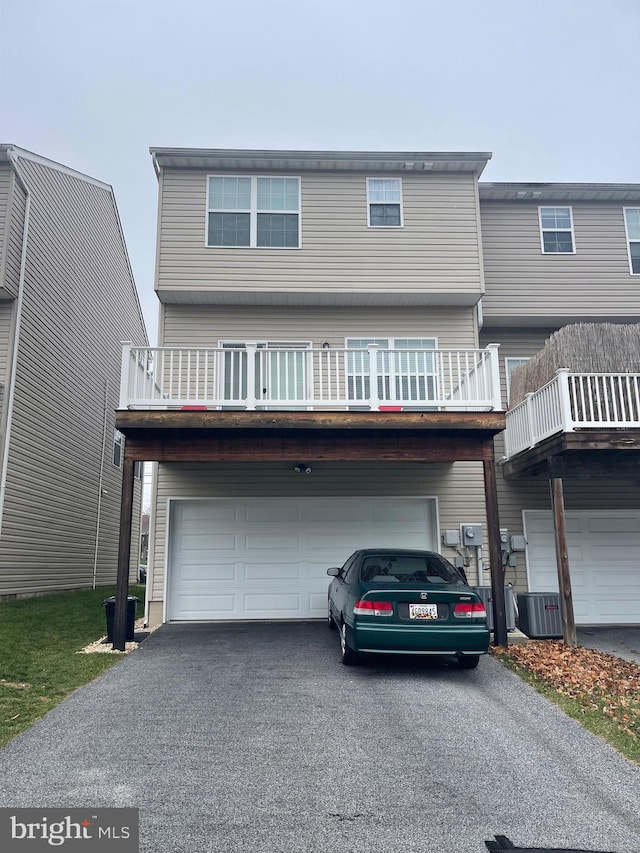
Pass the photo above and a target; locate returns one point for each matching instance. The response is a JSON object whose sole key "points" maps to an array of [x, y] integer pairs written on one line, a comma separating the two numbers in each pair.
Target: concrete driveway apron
{"points": [[253, 737]]}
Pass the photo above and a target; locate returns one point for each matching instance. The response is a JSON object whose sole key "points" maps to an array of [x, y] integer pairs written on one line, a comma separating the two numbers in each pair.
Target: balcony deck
{"points": [[572, 419], [255, 404], [279, 378]]}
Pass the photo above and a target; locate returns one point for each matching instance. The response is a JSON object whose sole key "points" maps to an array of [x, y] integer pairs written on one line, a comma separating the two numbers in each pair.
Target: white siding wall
{"points": [[458, 487], [437, 251], [521, 281], [79, 303], [203, 326]]}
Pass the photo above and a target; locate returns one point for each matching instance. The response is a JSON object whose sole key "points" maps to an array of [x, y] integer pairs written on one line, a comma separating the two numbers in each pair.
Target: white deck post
{"points": [[252, 349], [374, 398], [124, 375], [494, 377], [562, 374], [531, 426]]}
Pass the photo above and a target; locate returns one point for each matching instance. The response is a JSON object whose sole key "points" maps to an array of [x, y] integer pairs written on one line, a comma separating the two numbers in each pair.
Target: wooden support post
{"points": [[495, 553], [124, 554], [562, 560]]}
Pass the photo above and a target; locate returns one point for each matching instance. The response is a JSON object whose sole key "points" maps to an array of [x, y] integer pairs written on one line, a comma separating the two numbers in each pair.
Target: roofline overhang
{"points": [[541, 192], [323, 161]]}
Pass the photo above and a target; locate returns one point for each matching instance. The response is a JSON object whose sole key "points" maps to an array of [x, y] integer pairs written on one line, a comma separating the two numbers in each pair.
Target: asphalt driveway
{"points": [[255, 738]]}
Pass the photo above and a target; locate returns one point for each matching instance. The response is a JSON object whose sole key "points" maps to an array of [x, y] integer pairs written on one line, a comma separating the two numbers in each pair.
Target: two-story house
{"points": [[67, 300], [318, 384], [336, 333]]}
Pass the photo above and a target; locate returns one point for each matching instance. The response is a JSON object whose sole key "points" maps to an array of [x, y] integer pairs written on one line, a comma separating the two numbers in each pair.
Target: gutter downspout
{"points": [[100, 482], [16, 333]]}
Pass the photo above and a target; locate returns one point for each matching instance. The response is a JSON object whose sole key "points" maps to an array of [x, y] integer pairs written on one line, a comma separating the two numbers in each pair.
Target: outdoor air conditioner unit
{"points": [[539, 615], [484, 592]]}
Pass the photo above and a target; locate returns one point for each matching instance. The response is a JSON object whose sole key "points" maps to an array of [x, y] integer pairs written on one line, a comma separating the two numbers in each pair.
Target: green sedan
{"points": [[391, 601]]}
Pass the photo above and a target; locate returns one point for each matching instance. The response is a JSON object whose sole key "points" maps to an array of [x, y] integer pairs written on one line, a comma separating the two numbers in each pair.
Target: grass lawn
{"points": [[599, 690], [39, 638]]}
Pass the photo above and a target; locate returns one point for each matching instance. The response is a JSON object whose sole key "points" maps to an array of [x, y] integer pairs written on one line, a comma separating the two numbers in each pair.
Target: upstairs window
{"points": [[384, 202], [118, 446], [632, 226], [510, 364], [253, 212], [556, 230]]}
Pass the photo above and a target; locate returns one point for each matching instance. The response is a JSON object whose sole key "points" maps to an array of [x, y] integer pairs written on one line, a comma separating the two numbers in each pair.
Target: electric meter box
{"points": [[471, 535]]}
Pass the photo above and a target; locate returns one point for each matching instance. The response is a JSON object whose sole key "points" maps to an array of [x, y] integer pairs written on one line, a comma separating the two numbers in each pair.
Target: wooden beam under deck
{"points": [[128, 419], [213, 436], [310, 445], [581, 454]]}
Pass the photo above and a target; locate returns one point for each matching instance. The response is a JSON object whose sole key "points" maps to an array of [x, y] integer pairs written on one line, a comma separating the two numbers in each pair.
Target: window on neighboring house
{"points": [[118, 446], [632, 226], [253, 212], [510, 365], [138, 468], [384, 202], [556, 228]]}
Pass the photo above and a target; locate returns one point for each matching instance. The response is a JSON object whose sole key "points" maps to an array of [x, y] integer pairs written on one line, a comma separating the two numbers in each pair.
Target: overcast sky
{"points": [[551, 87]]}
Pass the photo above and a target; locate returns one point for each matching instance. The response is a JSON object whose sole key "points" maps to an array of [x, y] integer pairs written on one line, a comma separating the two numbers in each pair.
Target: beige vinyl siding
{"points": [[437, 251], [7, 309], [533, 492], [458, 487], [5, 181], [15, 235], [521, 281], [79, 302], [205, 326]]}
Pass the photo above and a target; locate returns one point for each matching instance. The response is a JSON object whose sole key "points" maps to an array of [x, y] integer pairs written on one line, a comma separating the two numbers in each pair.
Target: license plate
{"points": [[423, 611]]}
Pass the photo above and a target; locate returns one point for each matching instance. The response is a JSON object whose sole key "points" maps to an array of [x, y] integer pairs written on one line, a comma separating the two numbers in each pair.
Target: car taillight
{"points": [[364, 607], [469, 610]]}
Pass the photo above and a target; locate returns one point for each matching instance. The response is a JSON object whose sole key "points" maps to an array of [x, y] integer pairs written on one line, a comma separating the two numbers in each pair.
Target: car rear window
{"points": [[409, 568]]}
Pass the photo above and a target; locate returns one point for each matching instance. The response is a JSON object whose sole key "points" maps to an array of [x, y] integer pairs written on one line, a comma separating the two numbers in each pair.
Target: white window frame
{"points": [[629, 240], [569, 230], [118, 448], [369, 202], [253, 212], [509, 367]]}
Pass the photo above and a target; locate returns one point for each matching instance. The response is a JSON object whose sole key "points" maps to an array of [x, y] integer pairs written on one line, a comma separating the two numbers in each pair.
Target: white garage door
{"points": [[604, 561], [267, 558]]}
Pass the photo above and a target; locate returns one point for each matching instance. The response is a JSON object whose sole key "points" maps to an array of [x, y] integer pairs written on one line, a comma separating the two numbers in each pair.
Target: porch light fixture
{"points": [[326, 345], [302, 468]]}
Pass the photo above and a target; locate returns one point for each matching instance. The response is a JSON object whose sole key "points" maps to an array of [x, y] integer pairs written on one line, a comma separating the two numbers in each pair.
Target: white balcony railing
{"points": [[574, 401], [256, 377]]}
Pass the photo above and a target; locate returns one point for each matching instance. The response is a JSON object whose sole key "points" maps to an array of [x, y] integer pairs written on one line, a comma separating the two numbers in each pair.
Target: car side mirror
{"points": [[333, 572]]}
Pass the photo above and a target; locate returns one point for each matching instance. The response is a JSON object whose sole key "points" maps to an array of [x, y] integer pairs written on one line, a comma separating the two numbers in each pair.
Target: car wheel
{"points": [[468, 661], [348, 656], [330, 620]]}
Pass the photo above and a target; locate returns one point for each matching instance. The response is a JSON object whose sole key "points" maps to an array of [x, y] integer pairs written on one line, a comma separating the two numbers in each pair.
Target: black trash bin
{"points": [[109, 605]]}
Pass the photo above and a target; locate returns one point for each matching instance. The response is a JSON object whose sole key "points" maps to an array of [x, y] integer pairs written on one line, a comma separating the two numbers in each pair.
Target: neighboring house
{"points": [[554, 255], [336, 313], [67, 298]]}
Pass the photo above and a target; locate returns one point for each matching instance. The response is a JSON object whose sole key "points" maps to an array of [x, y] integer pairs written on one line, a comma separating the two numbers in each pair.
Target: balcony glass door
{"points": [[404, 378], [280, 374]]}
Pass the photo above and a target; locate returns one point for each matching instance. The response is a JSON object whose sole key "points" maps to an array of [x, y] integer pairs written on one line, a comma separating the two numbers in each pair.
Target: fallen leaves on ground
{"points": [[598, 681]]}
